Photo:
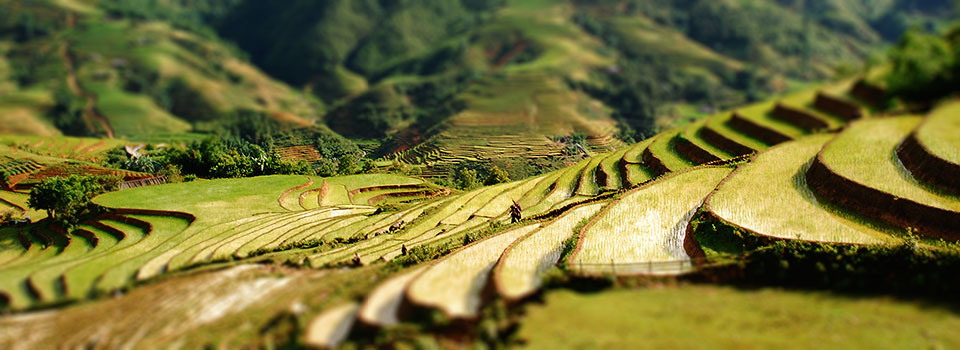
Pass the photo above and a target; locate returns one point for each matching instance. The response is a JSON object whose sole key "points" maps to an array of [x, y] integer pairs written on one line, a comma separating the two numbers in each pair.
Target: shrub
{"points": [[496, 176]]}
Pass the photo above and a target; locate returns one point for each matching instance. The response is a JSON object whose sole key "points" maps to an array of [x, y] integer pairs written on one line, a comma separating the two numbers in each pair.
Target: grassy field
{"points": [[865, 153], [694, 317], [939, 132], [647, 225], [783, 206], [222, 207], [77, 148]]}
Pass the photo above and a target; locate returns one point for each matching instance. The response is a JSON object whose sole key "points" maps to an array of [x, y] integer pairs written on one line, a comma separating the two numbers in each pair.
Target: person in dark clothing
{"points": [[515, 211]]}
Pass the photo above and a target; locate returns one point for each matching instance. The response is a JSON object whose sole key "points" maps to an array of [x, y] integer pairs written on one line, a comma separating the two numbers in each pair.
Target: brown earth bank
{"points": [[600, 177], [870, 94], [693, 152], [798, 117], [152, 212], [927, 167], [385, 187], [929, 221], [757, 131], [653, 163], [425, 194], [837, 106], [724, 143]]}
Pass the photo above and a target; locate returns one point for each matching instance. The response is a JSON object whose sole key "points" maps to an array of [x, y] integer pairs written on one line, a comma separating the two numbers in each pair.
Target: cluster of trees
{"points": [[472, 175], [68, 199], [925, 67], [211, 158]]}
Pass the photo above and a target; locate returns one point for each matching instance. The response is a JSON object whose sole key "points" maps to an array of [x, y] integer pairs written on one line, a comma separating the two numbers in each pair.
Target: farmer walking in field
{"points": [[515, 211]]}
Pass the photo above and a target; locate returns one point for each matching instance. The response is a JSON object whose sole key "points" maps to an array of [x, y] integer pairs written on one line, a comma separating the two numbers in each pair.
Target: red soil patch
{"points": [[653, 163]]}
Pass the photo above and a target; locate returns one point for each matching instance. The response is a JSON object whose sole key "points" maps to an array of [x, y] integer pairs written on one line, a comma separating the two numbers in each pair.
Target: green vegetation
{"points": [[864, 153], [532, 102], [521, 269], [733, 318], [647, 225], [458, 271], [789, 209], [68, 199], [937, 132]]}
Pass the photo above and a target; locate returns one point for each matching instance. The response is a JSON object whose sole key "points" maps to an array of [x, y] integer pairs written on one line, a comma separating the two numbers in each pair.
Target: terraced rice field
{"points": [[938, 134], [865, 153], [565, 187], [691, 134], [757, 122], [463, 274], [587, 185], [788, 208], [93, 259], [612, 178], [519, 271], [331, 328], [381, 306], [662, 152], [862, 171], [328, 243], [89, 149], [644, 231], [803, 102], [728, 138]]}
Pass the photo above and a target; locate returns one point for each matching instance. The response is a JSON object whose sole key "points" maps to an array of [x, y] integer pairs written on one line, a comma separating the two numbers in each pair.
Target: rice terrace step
{"points": [[461, 174]]}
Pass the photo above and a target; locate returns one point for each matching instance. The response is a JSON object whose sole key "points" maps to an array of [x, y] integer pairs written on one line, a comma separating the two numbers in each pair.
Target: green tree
{"points": [[67, 199], [465, 179], [326, 168], [496, 176], [349, 164], [923, 67]]}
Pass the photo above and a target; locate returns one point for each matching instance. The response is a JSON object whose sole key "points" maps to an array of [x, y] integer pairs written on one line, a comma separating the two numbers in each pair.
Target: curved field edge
{"points": [[469, 265], [606, 256], [869, 201], [537, 252], [783, 208]]}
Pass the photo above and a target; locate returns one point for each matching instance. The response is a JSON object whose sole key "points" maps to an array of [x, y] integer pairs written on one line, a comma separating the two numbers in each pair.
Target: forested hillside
{"points": [[431, 83]]}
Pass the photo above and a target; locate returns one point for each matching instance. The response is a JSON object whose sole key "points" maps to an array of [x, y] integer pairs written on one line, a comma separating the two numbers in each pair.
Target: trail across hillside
{"points": [[90, 108]]}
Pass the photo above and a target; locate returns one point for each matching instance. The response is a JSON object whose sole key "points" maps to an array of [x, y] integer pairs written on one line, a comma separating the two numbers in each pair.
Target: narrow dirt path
{"points": [[90, 112]]}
